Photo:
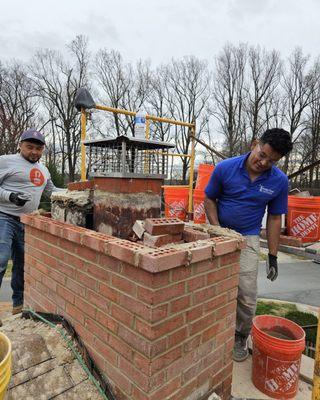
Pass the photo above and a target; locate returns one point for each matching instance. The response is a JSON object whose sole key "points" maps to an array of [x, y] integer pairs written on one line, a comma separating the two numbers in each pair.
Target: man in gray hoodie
{"points": [[23, 179]]}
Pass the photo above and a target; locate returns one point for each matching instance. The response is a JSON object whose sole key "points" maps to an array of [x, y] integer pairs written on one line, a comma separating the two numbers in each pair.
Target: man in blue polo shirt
{"points": [[237, 195]]}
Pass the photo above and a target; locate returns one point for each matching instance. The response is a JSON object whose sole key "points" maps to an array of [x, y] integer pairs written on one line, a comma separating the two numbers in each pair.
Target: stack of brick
{"points": [[159, 323], [158, 232]]}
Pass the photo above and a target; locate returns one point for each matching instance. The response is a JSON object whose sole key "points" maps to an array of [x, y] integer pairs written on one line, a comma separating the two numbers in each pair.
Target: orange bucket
{"points": [[276, 356], [199, 215], [176, 202], [204, 174], [303, 218]]}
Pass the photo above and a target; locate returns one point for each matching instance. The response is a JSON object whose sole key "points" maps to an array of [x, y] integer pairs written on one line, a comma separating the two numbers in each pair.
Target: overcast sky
{"points": [[159, 29]]}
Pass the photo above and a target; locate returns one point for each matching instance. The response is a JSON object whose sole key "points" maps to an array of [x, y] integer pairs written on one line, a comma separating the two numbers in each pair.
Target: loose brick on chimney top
{"points": [[159, 323], [163, 226]]}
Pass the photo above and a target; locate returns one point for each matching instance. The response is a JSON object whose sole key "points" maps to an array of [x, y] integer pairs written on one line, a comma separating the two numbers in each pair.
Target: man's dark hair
{"points": [[278, 139]]}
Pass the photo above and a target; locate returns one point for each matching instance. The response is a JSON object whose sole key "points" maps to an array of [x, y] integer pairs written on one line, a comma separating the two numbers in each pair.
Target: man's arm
{"points": [[273, 236], [210, 207], [273, 233]]}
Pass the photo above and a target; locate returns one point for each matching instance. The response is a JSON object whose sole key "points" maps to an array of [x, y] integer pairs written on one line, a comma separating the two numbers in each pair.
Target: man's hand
{"points": [[19, 199], [272, 267]]}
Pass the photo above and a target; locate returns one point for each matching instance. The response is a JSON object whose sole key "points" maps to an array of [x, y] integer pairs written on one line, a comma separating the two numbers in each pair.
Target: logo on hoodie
{"points": [[36, 177]]}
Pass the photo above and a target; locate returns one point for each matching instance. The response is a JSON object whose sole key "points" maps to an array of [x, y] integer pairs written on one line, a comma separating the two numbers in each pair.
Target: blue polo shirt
{"points": [[241, 203]]}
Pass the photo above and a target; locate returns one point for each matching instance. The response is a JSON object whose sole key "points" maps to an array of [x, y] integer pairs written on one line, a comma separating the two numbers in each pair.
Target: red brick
{"points": [[106, 351], [192, 344], [66, 294], [194, 313], [216, 302], [226, 310], [97, 329], [121, 347], [155, 332], [49, 283], [98, 272], [180, 304], [231, 258], [86, 280], [135, 306], [120, 379], [124, 250], [137, 342], [196, 283], [204, 294], [167, 390], [109, 293], [205, 265], [159, 313], [84, 185], [107, 322], [122, 315], [163, 259], [123, 285], [170, 292], [75, 287], [75, 313], [58, 300], [224, 245], [98, 300], [75, 262], [144, 277], [160, 240], [166, 359], [192, 235], [134, 374], [177, 337], [86, 253], [163, 226], [227, 284], [96, 240], [218, 274], [143, 364], [86, 307], [212, 331], [180, 273], [202, 323]]}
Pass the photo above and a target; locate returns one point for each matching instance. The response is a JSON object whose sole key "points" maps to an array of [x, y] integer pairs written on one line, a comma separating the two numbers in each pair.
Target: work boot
{"points": [[17, 309], [240, 348]]}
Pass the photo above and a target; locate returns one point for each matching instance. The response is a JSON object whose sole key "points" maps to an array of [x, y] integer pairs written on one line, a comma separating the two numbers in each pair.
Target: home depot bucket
{"points": [[199, 214], [204, 174], [176, 202], [303, 218], [5, 364], [276, 355]]}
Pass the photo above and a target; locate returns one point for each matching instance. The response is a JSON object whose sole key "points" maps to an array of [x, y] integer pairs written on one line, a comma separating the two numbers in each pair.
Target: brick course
{"points": [[158, 322]]}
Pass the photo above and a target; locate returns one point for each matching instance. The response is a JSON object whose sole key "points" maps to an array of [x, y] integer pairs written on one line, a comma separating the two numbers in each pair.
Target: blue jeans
{"points": [[12, 246]]}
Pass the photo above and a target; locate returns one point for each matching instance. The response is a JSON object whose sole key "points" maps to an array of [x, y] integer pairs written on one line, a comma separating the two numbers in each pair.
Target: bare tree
{"points": [[187, 89], [123, 86], [228, 95], [263, 79], [56, 81], [298, 85], [17, 106]]}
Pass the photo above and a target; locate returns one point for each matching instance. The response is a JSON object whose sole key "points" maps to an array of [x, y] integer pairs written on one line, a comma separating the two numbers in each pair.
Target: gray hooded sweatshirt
{"points": [[19, 175]]}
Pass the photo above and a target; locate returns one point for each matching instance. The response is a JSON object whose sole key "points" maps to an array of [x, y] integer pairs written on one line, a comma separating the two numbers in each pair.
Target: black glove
{"points": [[18, 198], [272, 267]]}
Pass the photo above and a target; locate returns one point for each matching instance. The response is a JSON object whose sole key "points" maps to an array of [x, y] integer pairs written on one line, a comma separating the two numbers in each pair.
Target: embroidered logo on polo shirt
{"points": [[265, 190]]}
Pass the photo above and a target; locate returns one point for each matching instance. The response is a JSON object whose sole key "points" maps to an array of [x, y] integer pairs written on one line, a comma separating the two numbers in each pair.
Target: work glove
{"points": [[272, 267], [19, 199]]}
